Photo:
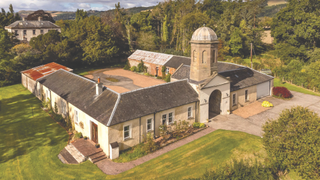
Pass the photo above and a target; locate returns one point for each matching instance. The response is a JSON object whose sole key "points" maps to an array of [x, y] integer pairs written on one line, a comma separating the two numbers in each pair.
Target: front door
{"points": [[157, 71], [94, 131]]}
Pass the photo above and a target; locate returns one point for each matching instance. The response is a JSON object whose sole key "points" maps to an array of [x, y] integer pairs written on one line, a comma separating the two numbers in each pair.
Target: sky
{"points": [[73, 5]]}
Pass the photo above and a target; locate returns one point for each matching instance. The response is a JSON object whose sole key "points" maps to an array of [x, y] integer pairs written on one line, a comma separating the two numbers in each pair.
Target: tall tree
{"points": [[292, 140]]}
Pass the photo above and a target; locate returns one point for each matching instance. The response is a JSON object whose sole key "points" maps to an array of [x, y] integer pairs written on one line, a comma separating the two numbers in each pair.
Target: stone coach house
{"points": [[200, 89]]}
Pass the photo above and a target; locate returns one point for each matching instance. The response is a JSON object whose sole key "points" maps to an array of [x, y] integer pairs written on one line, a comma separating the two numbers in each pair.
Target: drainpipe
{"points": [[140, 130], [154, 125]]}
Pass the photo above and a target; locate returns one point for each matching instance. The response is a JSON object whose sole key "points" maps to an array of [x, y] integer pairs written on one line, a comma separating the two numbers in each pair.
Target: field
{"points": [[276, 2]]}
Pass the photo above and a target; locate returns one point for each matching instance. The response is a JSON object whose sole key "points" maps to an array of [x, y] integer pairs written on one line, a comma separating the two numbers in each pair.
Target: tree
{"points": [[293, 140], [297, 27], [235, 42]]}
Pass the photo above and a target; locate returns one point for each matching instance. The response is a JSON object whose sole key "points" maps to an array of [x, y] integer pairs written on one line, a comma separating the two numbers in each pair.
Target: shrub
{"points": [[196, 125], [167, 78], [141, 67], [163, 130], [150, 145], [78, 135], [282, 92], [55, 107], [158, 77], [127, 66], [202, 125], [163, 71], [133, 69]]}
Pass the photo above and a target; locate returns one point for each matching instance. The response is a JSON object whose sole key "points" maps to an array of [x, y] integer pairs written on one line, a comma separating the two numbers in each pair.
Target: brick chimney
{"points": [[98, 87], [39, 18]]}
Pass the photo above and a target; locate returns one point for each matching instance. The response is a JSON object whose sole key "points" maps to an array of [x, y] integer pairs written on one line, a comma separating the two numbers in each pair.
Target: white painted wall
{"points": [[218, 83]]}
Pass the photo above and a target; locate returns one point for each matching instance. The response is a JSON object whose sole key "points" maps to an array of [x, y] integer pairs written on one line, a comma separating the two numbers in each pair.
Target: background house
{"points": [[25, 29]]}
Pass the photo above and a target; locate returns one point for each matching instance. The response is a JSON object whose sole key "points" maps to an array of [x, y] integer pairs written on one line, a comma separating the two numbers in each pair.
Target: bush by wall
{"points": [[281, 92]]}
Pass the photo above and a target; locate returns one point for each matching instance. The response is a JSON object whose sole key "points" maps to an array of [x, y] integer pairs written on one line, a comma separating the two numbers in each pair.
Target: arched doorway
{"points": [[214, 103]]}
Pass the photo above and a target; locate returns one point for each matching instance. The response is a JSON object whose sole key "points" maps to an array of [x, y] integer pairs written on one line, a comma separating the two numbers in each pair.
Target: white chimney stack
{"points": [[98, 87]]}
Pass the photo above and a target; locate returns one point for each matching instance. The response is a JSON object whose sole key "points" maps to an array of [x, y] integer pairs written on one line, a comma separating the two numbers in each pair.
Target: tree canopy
{"points": [[293, 140]]}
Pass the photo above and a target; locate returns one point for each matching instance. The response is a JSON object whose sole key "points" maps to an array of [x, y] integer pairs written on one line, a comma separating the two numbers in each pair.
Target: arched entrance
{"points": [[214, 103]]}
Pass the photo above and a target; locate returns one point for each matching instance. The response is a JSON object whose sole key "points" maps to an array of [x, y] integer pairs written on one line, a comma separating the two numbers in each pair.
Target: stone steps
{"points": [[75, 153], [94, 158], [66, 158]]}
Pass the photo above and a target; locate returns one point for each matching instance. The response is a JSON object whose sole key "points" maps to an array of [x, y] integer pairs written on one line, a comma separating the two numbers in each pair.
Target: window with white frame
{"points": [[170, 117], [149, 124], [164, 119], [189, 112], [126, 132], [167, 70], [76, 116], [234, 102], [246, 97]]}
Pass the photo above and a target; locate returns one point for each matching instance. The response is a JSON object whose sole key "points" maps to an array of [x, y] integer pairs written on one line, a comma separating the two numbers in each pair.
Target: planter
{"points": [[85, 138], [97, 145]]}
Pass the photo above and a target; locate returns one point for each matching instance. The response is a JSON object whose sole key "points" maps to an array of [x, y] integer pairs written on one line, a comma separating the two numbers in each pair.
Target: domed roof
{"points": [[204, 34]]}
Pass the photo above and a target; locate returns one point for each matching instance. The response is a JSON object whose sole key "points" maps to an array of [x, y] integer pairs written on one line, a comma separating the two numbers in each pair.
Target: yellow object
{"points": [[266, 104]]}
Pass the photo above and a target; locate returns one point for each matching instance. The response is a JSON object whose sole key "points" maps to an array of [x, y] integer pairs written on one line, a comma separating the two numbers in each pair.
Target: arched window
{"points": [[194, 56], [204, 57], [213, 56]]}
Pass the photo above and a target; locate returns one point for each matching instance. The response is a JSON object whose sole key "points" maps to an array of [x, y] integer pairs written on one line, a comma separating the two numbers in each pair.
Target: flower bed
{"points": [[169, 135], [281, 92]]}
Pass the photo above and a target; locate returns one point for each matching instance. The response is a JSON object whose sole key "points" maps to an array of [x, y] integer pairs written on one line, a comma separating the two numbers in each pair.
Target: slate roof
{"points": [[162, 59], [150, 57], [176, 61], [81, 92], [244, 77], [43, 70], [31, 25], [240, 76], [135, 104], [111, 108]]}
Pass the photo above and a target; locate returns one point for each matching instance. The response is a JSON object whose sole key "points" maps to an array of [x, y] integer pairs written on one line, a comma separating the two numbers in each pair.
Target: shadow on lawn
{"points": [[25, 129]]}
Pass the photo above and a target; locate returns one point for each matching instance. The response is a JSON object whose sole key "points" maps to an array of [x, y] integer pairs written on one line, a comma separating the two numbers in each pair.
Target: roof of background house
{"points": [[81, 93], [162, 59], [31, 25], [43, 70], [150, 57], [240, 76], [153, 99]]}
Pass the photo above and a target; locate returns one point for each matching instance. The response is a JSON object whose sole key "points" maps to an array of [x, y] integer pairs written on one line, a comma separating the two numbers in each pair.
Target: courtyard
{"points": [[253, 124], [122, 81]]}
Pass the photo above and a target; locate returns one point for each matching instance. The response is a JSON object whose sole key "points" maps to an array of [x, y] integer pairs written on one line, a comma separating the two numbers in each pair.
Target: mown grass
{"points": [[278, 82], [31, 140]]}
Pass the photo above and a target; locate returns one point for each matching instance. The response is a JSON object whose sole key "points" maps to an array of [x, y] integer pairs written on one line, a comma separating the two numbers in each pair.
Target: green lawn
{"points": [[31, 141], [277, 82]]}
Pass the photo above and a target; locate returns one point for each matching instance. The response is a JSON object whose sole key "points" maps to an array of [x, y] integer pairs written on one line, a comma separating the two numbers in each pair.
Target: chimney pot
{"points": [[98, 79]]}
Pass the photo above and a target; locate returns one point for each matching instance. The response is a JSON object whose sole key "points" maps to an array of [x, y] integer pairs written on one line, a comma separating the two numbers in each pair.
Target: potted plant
{"points": [[85, 138], [228, 111], [97, 145]]}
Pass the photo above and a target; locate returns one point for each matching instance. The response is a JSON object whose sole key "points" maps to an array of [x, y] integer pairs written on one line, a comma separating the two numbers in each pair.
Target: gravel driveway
{"points": [[253, 124]]}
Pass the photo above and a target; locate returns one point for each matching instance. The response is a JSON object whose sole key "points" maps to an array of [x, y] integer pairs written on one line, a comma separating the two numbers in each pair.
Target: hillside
{"points": [[57, 15]]}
